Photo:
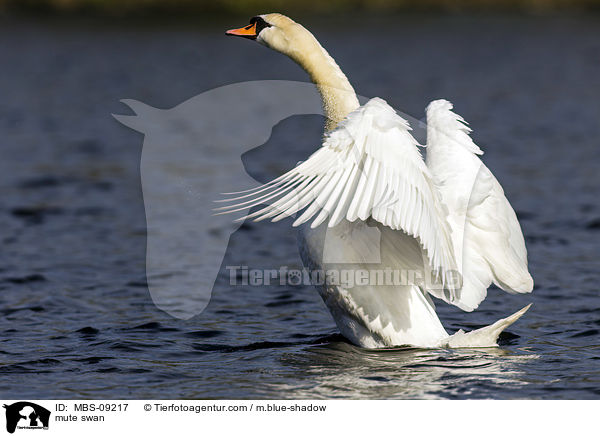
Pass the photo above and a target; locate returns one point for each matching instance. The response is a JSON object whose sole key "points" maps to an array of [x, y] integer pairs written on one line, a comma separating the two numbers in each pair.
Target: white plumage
{"points": [[368, 167], [368, 194], [487, 237]]}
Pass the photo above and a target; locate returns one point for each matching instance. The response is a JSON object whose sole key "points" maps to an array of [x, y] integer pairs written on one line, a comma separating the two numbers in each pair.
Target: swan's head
{"points": [[278, 32]]}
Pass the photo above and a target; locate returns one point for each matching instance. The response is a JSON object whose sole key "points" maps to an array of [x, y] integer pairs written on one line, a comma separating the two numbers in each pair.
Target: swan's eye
{"points": [[260, 23]]}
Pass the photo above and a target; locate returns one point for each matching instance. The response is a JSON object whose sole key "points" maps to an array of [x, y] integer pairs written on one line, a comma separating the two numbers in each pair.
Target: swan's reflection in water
{"points": [[341, 370]]}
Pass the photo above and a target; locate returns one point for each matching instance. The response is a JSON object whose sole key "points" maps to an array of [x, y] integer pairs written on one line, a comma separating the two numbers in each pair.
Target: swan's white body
{"points": [[368, 194]]}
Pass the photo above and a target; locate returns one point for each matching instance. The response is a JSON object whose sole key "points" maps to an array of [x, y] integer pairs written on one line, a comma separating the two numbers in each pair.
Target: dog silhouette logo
{"points": [[26, 415], [191, 155]]}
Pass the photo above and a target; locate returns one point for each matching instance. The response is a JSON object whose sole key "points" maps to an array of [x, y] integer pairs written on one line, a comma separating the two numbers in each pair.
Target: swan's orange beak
{"points": [[246, 32]]}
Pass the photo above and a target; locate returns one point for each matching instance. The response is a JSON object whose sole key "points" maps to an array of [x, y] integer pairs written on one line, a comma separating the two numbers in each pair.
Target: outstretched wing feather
{"points": [[369, 167]]}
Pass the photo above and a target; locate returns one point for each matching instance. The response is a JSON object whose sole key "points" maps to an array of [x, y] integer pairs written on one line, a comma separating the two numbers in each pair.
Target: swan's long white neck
{"points": [[337, 94]]}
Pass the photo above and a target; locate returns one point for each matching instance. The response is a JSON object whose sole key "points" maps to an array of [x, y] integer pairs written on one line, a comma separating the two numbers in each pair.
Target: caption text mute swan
{"points": [[370, 194]]}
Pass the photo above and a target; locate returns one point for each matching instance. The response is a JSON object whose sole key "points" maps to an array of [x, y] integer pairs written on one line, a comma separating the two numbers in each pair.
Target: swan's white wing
{"points": [[487, 237], [368, 167]]}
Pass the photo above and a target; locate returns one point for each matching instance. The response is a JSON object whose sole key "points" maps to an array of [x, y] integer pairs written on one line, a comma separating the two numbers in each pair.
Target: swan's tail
{"points": [[483, 337]]}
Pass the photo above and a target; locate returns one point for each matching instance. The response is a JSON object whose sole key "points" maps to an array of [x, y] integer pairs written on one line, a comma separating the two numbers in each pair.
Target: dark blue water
{"points": [[77, 318]]}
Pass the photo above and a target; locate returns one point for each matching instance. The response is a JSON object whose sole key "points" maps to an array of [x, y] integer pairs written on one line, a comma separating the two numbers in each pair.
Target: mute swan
{"points": [[368, 178]]}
